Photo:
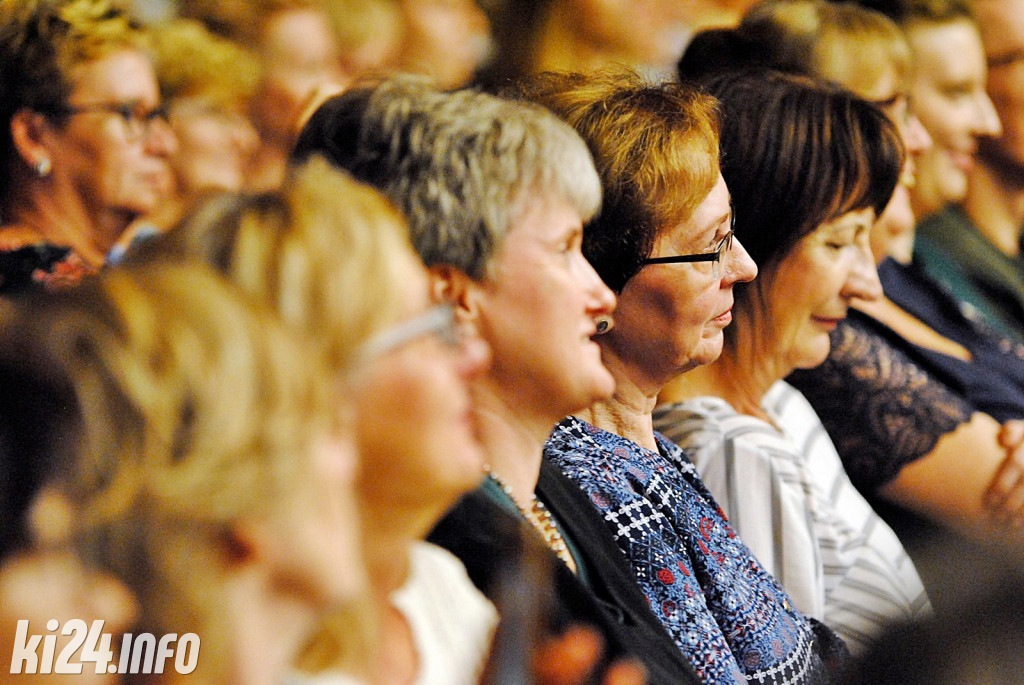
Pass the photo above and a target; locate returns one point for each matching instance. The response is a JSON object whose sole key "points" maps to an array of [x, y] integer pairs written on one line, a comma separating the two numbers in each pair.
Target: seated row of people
{"points": [[571, 260]]}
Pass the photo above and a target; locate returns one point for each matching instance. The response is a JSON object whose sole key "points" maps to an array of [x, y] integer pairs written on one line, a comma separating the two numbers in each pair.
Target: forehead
{"points": [[1001, 23], [949, 51], [119, 76], [705, 220], [544, 216]]}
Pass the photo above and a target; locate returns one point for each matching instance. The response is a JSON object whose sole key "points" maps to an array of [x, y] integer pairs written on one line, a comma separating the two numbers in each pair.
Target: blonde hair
{"points": [[192, 62], [328, 254], [193, 409], [840, 41], [325, 251]]}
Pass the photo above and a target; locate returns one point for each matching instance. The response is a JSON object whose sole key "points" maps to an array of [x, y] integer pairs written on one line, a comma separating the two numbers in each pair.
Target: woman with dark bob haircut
{"points": [[744, 427], [664, 243]]}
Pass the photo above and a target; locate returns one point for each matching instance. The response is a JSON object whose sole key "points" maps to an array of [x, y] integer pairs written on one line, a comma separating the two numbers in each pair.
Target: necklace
{"points": [[541, 519]]}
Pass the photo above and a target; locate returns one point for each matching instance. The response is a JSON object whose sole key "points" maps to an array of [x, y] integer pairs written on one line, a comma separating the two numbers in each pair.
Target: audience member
{"points": [[297, 47], [446, 40], [974, 247], [207, 83], [663, 242], [948, 92], [893, 418], [41, 579], [531, 36], [332, 257], [496, 194], [858, 48], [236, 530], [743, 427], [85, 142]]}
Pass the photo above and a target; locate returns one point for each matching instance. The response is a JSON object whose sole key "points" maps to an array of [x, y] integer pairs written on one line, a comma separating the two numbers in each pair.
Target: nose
{"points": [[862, 280], [739, 266], [915, 136], [160, 140], [601, 299], [988, 118]]}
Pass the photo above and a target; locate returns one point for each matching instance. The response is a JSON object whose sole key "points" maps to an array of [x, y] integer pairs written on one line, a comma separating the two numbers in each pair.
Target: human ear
{"points": [[452, 285], [28, 133]]}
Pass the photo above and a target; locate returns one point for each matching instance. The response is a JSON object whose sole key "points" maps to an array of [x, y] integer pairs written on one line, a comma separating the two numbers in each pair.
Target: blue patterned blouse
{"points": [[727, 614]]}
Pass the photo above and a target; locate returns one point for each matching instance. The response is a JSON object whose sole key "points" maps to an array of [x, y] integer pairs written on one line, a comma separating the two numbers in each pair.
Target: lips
{"points": [[724, 318], [830, 321], [963, 161]]}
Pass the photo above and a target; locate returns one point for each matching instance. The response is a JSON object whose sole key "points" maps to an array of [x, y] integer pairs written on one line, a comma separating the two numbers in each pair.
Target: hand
{"points": [[1005, 496], [571, 658]]}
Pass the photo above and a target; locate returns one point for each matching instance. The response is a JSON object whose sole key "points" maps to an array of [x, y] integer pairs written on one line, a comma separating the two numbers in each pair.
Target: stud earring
{"points": [[42, 167], [604, 324]]}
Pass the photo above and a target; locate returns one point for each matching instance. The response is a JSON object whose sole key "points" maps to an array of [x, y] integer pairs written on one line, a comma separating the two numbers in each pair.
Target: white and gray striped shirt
{"points": [[785, 491]]}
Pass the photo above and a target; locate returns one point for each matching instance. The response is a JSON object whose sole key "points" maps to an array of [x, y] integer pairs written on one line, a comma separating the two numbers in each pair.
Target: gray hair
{"points": [[463, 166]]}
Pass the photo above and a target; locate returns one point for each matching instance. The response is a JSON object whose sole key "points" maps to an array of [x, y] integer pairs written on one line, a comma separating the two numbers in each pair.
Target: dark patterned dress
{"points": [[881, 408], [729, 616]]}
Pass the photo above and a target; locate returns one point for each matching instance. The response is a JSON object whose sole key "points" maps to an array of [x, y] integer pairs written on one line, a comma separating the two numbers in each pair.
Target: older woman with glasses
{"points": [[85, 142], [665, 201], [333, 258], [744, 428]]}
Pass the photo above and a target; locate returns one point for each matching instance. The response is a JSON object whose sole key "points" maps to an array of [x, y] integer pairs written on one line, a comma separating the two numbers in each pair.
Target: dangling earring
{"points": [[42, 167], [604, 324]]}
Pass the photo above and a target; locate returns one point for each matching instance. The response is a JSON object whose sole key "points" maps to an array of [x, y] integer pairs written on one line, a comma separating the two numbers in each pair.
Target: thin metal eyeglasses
{"points": [[716, 256], [138, 121], [438, 320]]}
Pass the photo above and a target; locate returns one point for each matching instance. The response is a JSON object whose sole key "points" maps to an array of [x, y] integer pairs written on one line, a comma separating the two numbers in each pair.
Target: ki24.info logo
{"points": [[141, 653]]}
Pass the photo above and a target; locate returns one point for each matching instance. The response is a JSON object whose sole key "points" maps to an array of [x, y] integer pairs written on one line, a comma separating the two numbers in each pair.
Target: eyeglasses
{"points": [[438, 321], [714, 257], [138, 121]]}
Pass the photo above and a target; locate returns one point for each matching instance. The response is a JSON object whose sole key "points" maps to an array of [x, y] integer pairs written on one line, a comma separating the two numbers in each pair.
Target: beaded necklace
{"points": [[541, 519]]}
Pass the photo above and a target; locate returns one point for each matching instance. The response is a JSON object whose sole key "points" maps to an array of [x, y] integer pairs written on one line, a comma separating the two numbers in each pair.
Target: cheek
{"points": [[676, 310]]}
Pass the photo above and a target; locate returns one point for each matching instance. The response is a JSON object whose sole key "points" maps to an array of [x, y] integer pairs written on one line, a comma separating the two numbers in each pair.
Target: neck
{"points": [[513, 438], [263, 636], [995, 204], [628, 412], [742, 375], [389, 567], [387, 559], [737, 380], [62, 220]]}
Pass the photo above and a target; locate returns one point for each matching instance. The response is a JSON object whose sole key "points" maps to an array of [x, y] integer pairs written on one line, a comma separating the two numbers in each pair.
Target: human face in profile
{"points": [[809, 292], [538, 309], [671, 317]]}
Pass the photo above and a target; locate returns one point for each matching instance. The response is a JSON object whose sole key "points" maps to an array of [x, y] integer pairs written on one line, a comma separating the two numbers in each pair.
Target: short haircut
{"points": [[463, 166], [838, 41], [655, 146], [41, 43]]}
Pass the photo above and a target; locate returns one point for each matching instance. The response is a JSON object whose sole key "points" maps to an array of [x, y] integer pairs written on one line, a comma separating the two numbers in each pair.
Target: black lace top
{"points": [[880, 407]]}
